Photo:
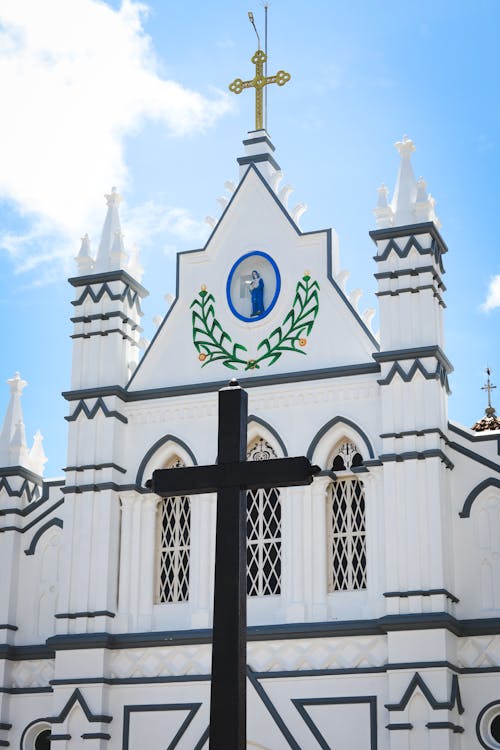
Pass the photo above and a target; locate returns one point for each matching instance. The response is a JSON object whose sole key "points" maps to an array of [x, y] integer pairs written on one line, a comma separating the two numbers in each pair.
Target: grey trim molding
{"points": [[415, 433], [272, 710], [55, 737], [191, 708], [301, 703], [393, 727], [271, 429], [5, 626], [412, 272], [474, 456], [139, 480], [91, 413], [289, 631], [437, 249], [100, 487], [418, 456], [490, 482], [259, 139], [418, 681], [418, 352], [258, 159], [46, 487], [77, 697], [90, 334], [439, 373], [36, 537], [412, 290], [76, 615], [456, 728], [328, 426], [102, 278], [26, 653], [301, 376], [95, 736], [32, 523], [96, 467], [107, 316], [422, 592]]}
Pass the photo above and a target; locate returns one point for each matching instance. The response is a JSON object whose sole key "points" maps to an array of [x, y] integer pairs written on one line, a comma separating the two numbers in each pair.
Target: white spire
{"points": [[405, 192], [13, 447], [13, 416], [117, 256], [109, 230], [18, 450], [37, 457], [410, 203], [84, 259], [135, 268]]}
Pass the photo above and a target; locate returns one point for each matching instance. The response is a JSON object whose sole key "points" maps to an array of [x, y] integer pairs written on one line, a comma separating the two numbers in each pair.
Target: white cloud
{"points": [[144, 224], [493, 296], [76, 77]]}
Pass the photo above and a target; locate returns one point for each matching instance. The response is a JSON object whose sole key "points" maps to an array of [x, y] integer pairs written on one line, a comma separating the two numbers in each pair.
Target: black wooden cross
{"points": [[230, 478]]}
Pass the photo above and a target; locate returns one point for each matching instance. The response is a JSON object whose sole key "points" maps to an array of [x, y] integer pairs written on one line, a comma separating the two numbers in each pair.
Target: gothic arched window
{"points": [[346, 523], [263, 531], [174, 546]]}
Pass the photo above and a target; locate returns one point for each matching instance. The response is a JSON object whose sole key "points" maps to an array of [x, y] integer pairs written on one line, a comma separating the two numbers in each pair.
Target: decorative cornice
{"points": [[437, 247], [302, 376], [422, 592], [258, 159], [439, 373], [104, 278], [418, 456], [418, 352], [418, 682], [91, 413]]}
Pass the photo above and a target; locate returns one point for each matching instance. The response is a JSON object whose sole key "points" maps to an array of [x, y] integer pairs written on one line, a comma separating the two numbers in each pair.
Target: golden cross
{"points": [[258, 82]]}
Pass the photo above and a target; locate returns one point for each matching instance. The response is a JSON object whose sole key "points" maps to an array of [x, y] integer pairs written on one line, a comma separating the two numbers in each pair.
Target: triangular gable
{"points": [[217, 327]]}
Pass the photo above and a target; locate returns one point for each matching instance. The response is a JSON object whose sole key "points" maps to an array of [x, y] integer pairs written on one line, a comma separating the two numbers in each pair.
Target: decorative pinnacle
{"points": [[113, 198], [490, 410], [405, 147]]}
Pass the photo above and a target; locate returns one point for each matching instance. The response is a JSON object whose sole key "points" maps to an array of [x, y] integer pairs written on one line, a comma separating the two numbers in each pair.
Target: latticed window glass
{"points": [[347, 527], [174, 547], [263, 532]]}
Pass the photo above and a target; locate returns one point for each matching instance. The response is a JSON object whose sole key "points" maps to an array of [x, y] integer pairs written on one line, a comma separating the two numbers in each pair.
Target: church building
{"points": [[373, 593]]}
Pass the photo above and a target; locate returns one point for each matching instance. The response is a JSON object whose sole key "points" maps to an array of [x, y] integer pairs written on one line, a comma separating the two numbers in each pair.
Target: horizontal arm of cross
{"points": [[244, 475]]}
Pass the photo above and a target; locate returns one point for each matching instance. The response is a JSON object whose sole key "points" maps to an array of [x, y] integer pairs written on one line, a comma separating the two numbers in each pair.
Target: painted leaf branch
{"points": [[297, 325], [211, 341], [214, 344]]}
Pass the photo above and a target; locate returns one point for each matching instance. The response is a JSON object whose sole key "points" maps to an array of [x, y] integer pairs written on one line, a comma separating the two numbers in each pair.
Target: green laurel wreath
{"points": [[213, 343]]}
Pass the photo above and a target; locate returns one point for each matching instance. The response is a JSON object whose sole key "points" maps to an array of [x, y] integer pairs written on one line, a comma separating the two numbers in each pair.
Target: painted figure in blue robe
{"points": [[257, 294]]}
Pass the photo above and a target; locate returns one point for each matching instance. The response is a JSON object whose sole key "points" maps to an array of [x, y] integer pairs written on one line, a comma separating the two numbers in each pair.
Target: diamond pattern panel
{"points": [[175, 543], [263, 532], [347, 530]]}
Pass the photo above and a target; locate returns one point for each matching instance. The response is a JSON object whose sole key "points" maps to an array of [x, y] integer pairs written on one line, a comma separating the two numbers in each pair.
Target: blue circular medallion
{"points": [[253, 286]]}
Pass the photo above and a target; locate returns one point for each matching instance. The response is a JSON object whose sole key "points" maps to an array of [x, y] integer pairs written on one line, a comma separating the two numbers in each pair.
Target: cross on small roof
{"points": [[490, 410]]}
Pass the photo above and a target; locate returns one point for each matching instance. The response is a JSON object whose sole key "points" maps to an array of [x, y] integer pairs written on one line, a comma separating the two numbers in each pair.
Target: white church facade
{"points": [[373, 593]]}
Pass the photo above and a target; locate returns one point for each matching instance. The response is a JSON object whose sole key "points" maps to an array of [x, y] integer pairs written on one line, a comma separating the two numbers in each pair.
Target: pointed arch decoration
{"points": [[252, 418], [474, 494], [139, 480], [340, 420]]}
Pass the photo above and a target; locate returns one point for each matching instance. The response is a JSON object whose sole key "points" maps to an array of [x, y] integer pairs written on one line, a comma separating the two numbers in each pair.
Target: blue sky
{"points": [[136, 96]]}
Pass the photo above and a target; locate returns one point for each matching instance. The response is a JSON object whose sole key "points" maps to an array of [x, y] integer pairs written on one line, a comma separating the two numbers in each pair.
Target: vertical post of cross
{"points": [[228, 694]]}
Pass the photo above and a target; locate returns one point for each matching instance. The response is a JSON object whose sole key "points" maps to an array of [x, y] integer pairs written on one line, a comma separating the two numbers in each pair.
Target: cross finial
{"points": [[258, 82], [490, 410]]}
